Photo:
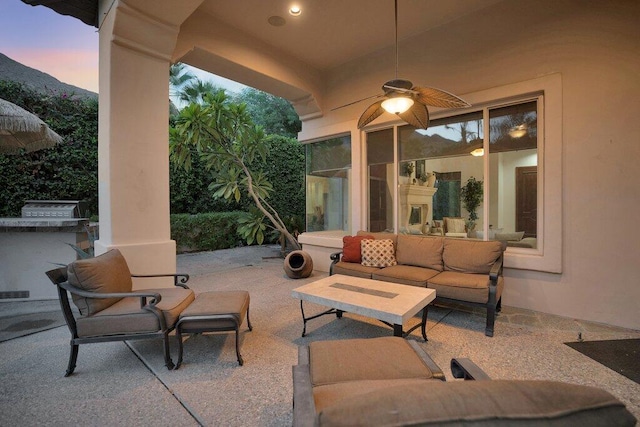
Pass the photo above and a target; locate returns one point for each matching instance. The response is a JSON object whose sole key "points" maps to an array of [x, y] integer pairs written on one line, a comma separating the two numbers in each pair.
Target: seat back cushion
{"points": [[106, 273], [480, 403], [470, 256], [380, 235], [351, 248], [420, 251]]}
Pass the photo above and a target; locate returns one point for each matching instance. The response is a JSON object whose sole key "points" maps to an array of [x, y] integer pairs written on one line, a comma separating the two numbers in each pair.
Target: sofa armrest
{"points": [[335, 258], [464, 368], [178, 279], [304, 407]]}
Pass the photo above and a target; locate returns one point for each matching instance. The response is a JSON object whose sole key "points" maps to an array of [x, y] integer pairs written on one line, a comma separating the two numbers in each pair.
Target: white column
{"points": [[135, 52]]}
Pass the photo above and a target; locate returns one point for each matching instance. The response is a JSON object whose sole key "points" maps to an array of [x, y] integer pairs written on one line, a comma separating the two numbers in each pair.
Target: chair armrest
{"points": [[466, 369], [183, 278], [98, 295], [304, 407], [496, 270]]}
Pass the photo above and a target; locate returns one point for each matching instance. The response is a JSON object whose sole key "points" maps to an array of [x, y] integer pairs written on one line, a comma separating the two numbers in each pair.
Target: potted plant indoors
{"points": [[471, 197]]}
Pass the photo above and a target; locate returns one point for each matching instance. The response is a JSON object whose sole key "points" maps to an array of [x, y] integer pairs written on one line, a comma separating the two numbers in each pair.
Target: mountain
{"points": [[42, 82]]}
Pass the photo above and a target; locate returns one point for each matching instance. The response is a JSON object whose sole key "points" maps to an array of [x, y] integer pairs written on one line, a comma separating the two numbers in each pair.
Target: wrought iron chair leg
{"points": [[73, 356], [167, 354], [179, 337]]}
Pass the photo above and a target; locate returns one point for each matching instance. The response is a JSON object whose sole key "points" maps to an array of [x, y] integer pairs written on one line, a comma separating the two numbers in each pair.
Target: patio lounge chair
{"points": [[391, 382], [101, 289]]}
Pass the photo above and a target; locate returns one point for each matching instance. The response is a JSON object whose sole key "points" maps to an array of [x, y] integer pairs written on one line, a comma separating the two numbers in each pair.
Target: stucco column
{"points": [[135, 52]]}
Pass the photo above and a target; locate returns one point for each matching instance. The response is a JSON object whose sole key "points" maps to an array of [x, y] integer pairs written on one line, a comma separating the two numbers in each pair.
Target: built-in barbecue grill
{"points": [[52, 209]]}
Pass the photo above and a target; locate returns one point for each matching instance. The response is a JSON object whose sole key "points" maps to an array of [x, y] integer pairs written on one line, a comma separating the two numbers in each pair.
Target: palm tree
{"points": [[194, 91], [178, 77]]}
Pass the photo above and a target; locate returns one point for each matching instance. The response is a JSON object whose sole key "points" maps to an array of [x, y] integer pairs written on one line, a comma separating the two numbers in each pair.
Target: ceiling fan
{"points": [[408, 102]]}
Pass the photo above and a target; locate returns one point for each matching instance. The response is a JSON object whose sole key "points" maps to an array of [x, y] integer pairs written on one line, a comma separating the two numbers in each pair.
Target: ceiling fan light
{"points": [[397, 104], [478, 152]]}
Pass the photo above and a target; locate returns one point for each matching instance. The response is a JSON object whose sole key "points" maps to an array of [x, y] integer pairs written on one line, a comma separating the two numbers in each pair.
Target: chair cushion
{"points": [[364, 359], [420, 251], [454, 225], [470, 256], [234, 303], [351, 251], [479, 403], [106, 273], [126, 316]]}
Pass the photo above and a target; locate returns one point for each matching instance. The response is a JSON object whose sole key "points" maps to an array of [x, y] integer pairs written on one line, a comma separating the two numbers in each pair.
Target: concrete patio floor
{"points": [[127, 384]]}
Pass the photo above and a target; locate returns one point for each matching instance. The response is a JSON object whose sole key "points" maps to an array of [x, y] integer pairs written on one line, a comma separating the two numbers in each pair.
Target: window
{"points": [[381, 172], [328, 167]]}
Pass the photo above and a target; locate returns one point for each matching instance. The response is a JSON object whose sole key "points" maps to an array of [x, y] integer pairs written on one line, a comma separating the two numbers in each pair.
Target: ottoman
{"points": [[217, 311]]}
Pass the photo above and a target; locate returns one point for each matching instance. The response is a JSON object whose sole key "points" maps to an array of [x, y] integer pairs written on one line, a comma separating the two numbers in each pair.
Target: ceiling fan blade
{"points": [[417, 116], [355, 102], [438, 98], [374, 111]]}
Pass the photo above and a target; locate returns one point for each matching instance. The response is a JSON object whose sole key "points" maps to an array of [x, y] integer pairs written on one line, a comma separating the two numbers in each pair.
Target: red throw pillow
{"points": [[351, 248]]}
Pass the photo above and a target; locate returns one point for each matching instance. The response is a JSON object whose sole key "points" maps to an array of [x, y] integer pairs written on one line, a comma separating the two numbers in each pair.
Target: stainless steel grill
{"points": [[52, 209]]}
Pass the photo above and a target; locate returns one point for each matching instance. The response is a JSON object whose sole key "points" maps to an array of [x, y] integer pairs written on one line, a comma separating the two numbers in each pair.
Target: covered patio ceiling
{"points": [[260, 44]]}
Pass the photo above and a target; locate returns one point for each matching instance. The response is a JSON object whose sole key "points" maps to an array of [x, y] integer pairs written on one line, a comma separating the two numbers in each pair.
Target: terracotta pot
{"points": [[298, 265]]}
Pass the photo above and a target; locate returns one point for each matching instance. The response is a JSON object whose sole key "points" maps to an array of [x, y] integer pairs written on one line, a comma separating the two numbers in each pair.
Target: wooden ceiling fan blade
{"points": [[372, 112], [355, 102], [417, 116], [438, 98]]}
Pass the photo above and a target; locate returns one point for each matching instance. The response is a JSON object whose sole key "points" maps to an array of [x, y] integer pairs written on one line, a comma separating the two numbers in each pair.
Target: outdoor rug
{"points": [[622, 356]]}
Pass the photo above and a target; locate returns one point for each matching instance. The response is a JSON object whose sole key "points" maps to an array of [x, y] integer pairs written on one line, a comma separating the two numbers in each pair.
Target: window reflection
{"points": [[381, 172], [513, 163], [328, 168], [442, 152]]}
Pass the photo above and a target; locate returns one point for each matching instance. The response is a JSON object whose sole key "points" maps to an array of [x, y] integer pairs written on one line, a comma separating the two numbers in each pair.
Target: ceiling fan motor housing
{"points": [[398, 83]]}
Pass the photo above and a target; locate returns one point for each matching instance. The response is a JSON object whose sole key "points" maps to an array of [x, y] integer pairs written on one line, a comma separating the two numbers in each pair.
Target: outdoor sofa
{"points": [[462, 271]]}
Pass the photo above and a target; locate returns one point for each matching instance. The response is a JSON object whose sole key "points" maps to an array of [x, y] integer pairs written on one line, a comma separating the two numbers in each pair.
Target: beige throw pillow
{"points": [[378, 253]]}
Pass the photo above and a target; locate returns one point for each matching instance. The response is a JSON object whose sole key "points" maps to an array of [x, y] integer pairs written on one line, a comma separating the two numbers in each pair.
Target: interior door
{"points": [[527, 200]]}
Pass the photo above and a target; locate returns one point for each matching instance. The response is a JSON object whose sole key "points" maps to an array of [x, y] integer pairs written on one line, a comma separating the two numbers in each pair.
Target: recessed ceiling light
{"points": [[295, 10]]}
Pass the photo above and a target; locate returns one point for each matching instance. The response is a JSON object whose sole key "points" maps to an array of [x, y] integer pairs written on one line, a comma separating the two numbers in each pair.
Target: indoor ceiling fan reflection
{"points": [[408, 102]]}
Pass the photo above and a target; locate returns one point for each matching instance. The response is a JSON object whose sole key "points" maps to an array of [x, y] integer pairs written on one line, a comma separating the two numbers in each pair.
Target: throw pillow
{"points": [[378, 253], [454, 225], [351, 248]]}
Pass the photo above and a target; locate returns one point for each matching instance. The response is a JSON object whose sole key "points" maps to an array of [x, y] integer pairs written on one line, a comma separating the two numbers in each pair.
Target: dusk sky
{"points": [[59, 45]]}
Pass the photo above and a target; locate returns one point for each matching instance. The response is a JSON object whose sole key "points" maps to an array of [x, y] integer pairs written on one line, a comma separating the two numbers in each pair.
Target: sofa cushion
{"points": [[420, 251], [479, 403], [470, 256], [510, 237], [126, 316], [353, 269], [405, 275], [464, 286], [106, 273], [378, 253], [379, 235], [351, 251], [364, 359]]}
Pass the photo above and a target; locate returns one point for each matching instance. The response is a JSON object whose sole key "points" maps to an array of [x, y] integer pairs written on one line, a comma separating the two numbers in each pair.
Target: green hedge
{"points": [[205, 231]]}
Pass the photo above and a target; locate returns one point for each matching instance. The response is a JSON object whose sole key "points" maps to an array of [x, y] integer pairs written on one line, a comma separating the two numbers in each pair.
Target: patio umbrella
{"points": [[19, 129]]}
